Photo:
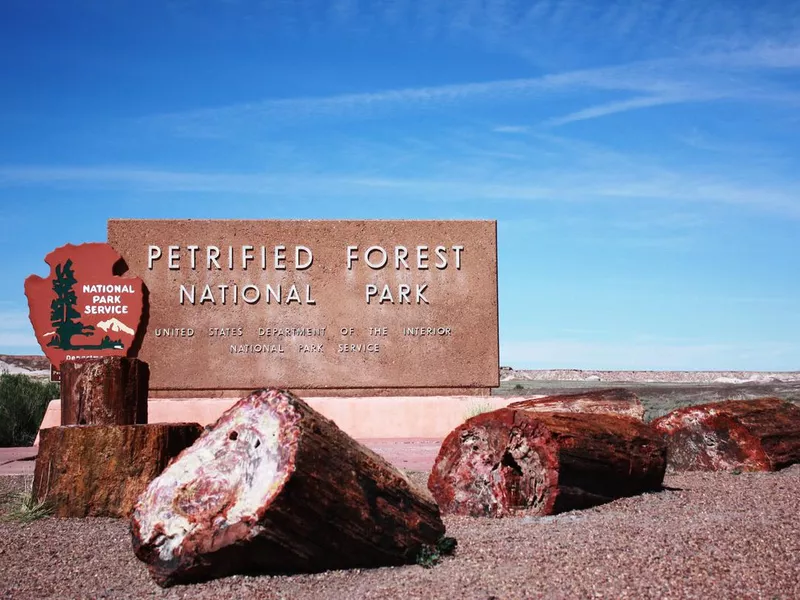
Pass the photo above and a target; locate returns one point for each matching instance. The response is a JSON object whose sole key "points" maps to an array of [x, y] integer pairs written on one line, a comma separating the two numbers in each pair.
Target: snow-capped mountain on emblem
{"points": [[82, 309], [115, 325]]}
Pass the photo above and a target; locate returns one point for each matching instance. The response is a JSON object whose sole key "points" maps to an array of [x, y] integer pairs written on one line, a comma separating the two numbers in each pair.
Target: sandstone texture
{"points": [[749, 435], [512, 462], [351, 304], [613, 401], [274, 487], [100, 470], [104, 391]]}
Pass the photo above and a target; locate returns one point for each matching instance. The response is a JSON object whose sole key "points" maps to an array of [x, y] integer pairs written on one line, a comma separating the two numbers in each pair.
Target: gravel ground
{"points": [[708, 535]]}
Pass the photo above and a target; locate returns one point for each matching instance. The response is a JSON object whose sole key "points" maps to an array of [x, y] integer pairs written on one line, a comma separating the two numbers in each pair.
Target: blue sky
{"points": [[641, 158]]}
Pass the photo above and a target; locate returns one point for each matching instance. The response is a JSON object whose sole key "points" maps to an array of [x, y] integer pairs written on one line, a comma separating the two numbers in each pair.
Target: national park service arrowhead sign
{"points": [[83, 310]]}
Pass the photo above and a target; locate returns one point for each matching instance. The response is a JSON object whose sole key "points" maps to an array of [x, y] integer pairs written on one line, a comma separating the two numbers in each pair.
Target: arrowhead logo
{"points": [[82, 309]]}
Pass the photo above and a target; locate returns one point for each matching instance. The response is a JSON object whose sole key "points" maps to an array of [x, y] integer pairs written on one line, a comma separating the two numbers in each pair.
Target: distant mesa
{"points": [[115, 324]]}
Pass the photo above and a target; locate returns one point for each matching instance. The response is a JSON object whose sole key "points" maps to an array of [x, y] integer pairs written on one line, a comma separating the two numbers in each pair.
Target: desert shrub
{"points": [[478, 409], [23, 402], [21, 506], [430, 556]]}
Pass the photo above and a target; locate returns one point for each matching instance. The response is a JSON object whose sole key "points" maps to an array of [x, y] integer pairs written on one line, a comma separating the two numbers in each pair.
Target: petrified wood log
{"points": [[275, 487], [100, 470], [513, 462], [104, 391], [613, 401], [752, 435]]}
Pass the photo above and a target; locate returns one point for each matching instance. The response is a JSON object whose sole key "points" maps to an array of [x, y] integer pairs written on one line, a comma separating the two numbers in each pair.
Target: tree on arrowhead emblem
{"points": [[64, 317]]}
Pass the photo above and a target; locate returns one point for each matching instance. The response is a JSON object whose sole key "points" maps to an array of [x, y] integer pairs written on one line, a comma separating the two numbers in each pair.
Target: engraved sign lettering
{"points": [[316, 304]]}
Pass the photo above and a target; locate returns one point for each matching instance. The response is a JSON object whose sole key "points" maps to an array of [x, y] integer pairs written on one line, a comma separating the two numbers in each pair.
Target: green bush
{"points": [[23, 402], [430, 556]]}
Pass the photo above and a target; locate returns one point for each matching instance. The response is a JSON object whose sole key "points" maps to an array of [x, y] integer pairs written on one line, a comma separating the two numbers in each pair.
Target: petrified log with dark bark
{"points": [[104, 391], [100, 470], [513, 462], [751, 435], [613, 401], [275, 487]]}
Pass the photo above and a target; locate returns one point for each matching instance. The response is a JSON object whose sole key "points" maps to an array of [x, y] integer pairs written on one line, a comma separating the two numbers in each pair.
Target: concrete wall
{"points": [[361, 418]]}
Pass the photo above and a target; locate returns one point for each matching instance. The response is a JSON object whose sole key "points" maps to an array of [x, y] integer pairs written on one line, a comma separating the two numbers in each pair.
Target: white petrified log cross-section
{"points": [[226, 481], [274, 487]]}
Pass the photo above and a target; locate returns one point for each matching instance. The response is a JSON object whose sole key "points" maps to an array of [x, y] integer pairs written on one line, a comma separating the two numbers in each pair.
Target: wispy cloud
{"points": [[601, 185], [653, 83], [527, 27], [548, 32], [511, 129], [642, 229], [764, 55], [611, 108], [648, 220], [698, 139]]}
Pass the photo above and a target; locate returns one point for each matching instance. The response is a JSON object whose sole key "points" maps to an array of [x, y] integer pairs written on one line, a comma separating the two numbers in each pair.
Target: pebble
{"points": [[713, 535]]}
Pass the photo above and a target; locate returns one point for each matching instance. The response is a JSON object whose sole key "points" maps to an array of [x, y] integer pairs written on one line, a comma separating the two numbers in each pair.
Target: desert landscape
{"points": [[400, 300], [25, 364], [659, 391], [706, 535], [724, 534]]}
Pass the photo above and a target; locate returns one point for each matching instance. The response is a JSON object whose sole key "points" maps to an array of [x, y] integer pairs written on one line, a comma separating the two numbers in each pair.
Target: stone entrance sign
{"points": [[320, 306]]}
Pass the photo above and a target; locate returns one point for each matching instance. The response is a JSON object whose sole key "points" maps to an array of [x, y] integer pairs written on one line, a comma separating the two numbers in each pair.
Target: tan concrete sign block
{"points": [[316, 305]]}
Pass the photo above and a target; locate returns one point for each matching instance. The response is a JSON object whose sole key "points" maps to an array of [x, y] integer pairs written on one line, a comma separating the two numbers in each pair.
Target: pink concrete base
{"points": [[410, 454], [17, 461], [431, 417]]}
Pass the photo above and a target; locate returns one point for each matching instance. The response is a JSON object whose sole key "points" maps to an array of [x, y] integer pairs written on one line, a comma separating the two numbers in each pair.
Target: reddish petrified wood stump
{"points": [[104, 391], [100, 470], [274, 487], [614, 402], [514, 462], [751, 435]]}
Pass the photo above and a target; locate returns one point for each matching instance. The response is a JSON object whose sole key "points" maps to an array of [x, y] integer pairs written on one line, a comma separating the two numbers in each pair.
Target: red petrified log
{"points": [[275, 487], [613, 401], [751, 435], [104, 391], [100, 470], [514, 462]]}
